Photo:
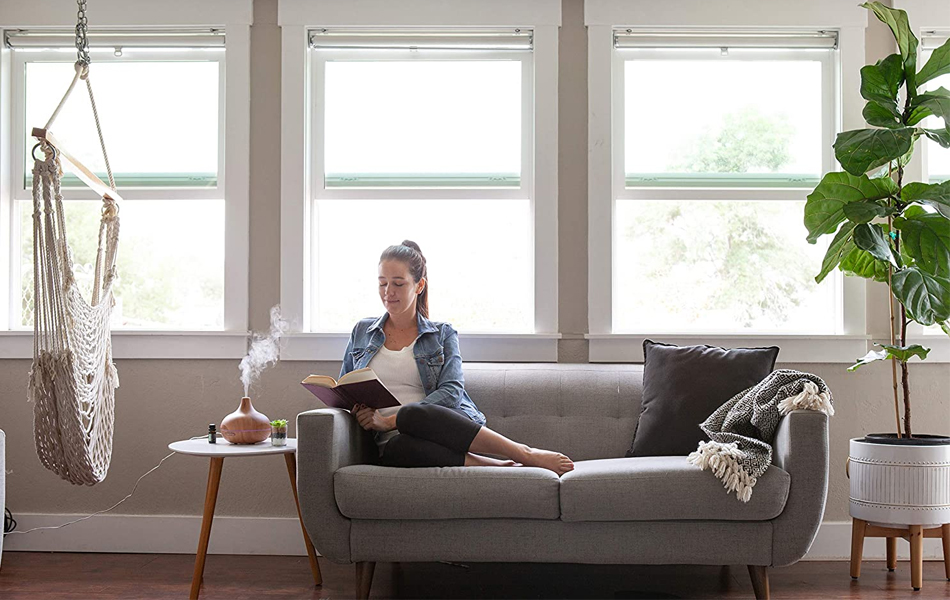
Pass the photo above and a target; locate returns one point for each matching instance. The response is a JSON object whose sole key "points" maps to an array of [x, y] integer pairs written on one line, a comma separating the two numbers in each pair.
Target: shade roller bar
{"points": [[631, 38], [66, 38], [375, 39]]}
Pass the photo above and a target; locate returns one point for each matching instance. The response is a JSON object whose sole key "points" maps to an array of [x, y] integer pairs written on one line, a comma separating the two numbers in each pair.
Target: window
{"points": [[723, 136], [162, 112], [937, 158], [430, 121], [428, 136]]}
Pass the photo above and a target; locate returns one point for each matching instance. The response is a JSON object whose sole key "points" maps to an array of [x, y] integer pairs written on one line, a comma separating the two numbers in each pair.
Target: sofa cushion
{"points": [[375, 492], [683, 385], [663, 488]]}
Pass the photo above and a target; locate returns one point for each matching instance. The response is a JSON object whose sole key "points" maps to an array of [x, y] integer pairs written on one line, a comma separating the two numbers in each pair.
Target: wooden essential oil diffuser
{"points": [[245, 425]]}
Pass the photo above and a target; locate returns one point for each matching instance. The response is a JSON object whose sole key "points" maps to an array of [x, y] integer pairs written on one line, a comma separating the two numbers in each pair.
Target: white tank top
{"points": [[398, 371]]}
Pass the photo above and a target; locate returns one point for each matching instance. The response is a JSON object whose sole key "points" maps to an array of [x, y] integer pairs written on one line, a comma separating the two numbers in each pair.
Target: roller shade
{"points": [[931, 40], [66, 38], [632, 38], [375, 39]]}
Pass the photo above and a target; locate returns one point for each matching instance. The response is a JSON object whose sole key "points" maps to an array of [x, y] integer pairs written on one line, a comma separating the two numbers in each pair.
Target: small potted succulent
{"points": [[278, 433]]}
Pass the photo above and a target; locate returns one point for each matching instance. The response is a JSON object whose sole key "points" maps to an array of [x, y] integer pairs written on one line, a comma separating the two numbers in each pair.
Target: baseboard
{"points": [[159, 534], [178, 534]]}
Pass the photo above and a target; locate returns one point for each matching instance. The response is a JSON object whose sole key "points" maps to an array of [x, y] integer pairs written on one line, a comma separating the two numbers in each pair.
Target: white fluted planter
{"points": [[895, 485]]}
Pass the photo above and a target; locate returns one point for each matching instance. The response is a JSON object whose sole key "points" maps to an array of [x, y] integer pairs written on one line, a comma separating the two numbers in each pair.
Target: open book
{"points": [[361, 386]]}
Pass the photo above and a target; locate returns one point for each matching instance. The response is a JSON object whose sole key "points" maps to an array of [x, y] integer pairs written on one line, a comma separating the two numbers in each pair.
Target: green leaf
{"points": [[881, 81], [879, 116], [872, 239], [901, 353], [918, 114], [863, 149], [860, 263], [864, 211], [937, 101], [824, 208], [870, 357], [904, 353], [926, 297], [896, 19], [941, 136], [926, 237], [932, 194], [946, 327], [840, 247], [939, 64]]}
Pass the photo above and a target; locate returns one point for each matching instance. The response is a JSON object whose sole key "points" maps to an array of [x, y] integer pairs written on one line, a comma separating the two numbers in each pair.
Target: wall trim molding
{"points": [[280, 536]]}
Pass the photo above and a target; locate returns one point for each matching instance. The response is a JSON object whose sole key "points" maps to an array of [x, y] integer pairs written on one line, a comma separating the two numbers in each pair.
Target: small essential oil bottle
{"points": [[212, 434]]}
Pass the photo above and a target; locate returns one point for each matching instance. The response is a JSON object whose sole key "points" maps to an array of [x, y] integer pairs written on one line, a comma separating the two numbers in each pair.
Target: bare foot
{"points": [[553, 461], [477, 460]]}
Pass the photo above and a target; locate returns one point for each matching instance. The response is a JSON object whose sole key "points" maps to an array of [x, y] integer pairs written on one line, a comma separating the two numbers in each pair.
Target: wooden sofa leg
{"points": [[364, 578], [760, 581]]}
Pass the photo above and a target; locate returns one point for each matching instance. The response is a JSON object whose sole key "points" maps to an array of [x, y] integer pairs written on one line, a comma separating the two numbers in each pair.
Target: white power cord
{"points": [[111, 507]]}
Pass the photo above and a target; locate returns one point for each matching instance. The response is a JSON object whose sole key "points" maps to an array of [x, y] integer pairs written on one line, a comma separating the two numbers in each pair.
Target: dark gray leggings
{"points": [[429, 436]]}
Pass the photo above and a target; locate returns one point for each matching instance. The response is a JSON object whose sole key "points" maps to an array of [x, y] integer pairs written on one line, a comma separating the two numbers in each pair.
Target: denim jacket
{"points": [[437, 357]]}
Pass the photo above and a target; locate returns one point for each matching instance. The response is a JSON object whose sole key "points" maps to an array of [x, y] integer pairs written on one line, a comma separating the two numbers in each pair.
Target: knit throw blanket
{"points": [[742, 429]]}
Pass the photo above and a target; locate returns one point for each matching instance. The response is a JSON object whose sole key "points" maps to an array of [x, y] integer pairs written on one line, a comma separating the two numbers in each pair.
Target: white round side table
{"points": [[218, 452]]}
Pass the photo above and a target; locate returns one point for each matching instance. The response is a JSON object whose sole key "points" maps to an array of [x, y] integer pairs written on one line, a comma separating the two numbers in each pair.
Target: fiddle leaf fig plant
{"points": [[887, 229]]}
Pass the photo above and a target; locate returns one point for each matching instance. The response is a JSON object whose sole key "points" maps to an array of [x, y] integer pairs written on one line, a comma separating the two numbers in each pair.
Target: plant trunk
{"points": [[904, 376]]}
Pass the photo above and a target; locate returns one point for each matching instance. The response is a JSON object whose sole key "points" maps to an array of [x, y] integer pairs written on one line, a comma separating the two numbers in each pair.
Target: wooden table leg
{"points": [[291, 460], [916, 556], [858, 528], [211, 496]]}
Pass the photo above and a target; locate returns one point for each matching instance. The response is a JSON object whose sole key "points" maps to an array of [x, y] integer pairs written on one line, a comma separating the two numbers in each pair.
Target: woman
{"points": [[437, 424]]}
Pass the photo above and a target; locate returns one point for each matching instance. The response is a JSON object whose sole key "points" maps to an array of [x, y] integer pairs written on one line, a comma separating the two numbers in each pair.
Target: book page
{"points": [[321, 380], [364, 374]]}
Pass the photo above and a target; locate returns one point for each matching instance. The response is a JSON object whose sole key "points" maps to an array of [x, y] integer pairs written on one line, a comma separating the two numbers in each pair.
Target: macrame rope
{"points": [[73, 379]]}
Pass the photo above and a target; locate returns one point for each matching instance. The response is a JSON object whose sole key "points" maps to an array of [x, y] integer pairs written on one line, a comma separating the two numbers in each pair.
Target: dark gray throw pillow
{"points": [[682, 385]]}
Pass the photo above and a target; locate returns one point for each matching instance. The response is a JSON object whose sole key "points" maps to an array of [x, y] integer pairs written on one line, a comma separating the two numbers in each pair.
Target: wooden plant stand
{"points": [[914, 534]]}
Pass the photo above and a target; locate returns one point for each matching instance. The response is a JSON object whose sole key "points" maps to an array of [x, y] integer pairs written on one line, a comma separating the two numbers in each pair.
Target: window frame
{"points": [[235, 18], [607, 177], [300, 178]]}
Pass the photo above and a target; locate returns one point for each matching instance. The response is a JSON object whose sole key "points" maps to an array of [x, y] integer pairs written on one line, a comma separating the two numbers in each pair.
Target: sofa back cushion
{"points": [[586, 411]]}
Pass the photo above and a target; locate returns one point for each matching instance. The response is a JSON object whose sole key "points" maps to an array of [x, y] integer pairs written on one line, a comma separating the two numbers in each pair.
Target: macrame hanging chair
{"points": [[73, 380]]}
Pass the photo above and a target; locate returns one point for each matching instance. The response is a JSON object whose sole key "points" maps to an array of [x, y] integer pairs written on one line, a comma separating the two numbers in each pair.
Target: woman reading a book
{"points": [[418, 360]]}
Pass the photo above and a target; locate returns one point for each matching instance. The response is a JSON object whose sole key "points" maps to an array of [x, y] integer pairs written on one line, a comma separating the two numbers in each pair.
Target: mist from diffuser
{"points": [[264, 351]]}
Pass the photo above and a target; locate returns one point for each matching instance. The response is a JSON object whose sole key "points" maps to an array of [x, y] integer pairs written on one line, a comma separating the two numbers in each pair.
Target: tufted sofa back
{"points": [[586, 411]]}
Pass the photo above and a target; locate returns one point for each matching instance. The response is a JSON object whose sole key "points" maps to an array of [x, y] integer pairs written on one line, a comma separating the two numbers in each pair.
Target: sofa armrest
{"points": [[800, 448], [328, 439]]}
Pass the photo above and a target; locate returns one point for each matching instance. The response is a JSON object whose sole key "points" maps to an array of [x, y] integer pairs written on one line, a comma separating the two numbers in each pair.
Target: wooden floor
{"points": [[37, 575]]}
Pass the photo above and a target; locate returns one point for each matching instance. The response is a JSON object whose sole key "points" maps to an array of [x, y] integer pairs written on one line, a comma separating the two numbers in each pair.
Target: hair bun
{"points": [[414, 246]]}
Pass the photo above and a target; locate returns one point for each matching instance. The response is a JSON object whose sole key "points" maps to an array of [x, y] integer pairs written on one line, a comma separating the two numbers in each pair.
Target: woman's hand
{"points": [[370, 419]]}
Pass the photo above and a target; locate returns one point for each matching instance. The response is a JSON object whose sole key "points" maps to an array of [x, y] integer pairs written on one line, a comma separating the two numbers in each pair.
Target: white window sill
{"points": [[794, 348], [147, 344], [474, 347]]}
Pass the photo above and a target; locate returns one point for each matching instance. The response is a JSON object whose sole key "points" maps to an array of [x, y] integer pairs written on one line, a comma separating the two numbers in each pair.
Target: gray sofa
{"points": [[609, 510]]}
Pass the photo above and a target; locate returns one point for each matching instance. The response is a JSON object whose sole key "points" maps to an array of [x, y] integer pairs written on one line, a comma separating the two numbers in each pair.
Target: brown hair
{"points": [[408, 252]]}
